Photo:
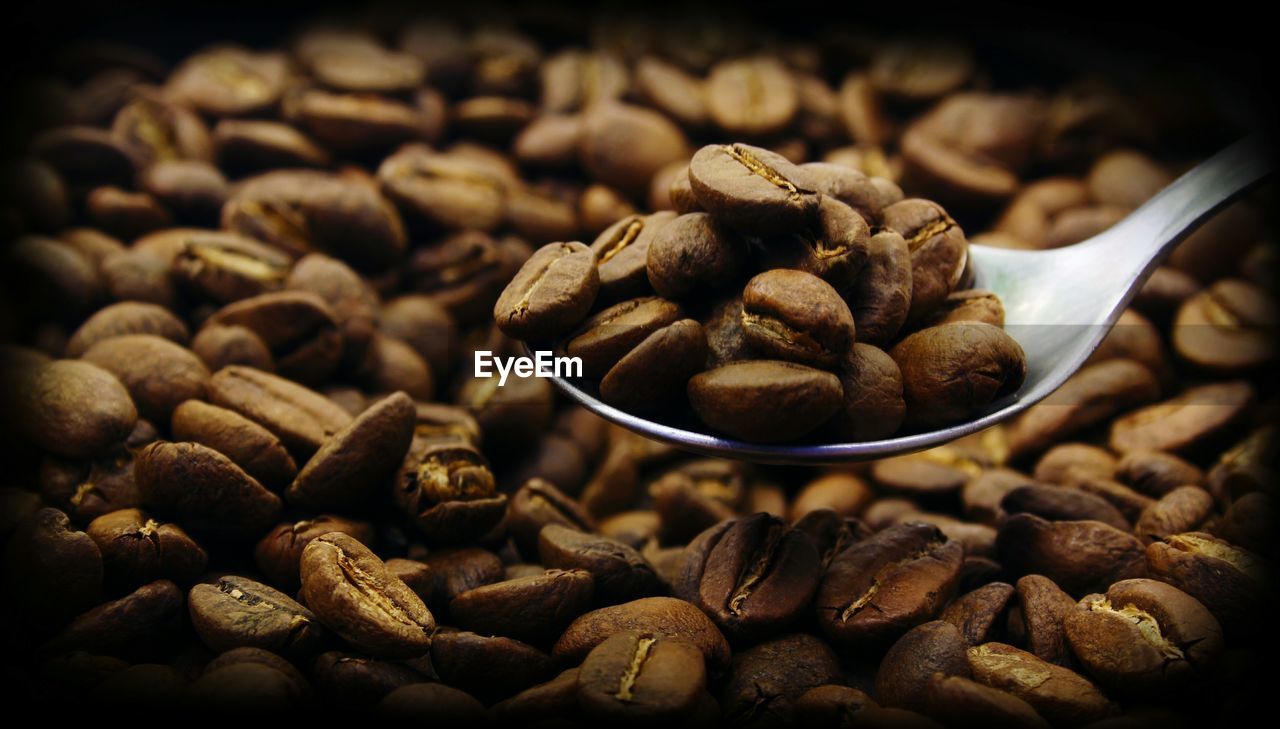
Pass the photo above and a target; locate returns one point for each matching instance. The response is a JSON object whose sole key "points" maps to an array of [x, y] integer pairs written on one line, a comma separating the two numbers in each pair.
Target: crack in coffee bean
{"points": [[363, 582], [627, 238], [748, 160], [628, 679], [1148, 626]]}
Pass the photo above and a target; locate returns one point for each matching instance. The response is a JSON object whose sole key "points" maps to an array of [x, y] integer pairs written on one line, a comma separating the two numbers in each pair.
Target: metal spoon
{"points": [[1059, 304]]}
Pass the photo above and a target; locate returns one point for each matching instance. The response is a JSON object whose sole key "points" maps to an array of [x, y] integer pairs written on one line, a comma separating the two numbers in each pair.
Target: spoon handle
{"points": [[1171, 215]]}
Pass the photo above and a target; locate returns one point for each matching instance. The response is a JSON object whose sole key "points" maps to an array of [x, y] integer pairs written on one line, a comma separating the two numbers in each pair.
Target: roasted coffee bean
{"points": [[251, 145], [204, 490], [431, 703], [1156, 474], [298, 328], [448, 490], [874, 407], [236, 611], [766, 679], [1226, 579], [127, 317], [660, 617], [756, 577], [1181, 510], [878, 588], [1056, 693], [219, 347], [1184, 423], [765, 400], [959, 701], [280, 551], [1143, 636], [303, 419], [1081, 556], [939, 252], [978, 614], [1056, 503], [222, 266], [137, 623], [831, 705], [251, 446], [608, 336], [488, 667], [797, 316], [52, 570], [532, 609], [622, 252], [635, 677], [538, 503], [624, 145], [751, 97], [353, 594], [1088, 397], [230, 81], [364, 453], [752, 189], [137, 549], [357, 682], [555, 698], [934, 647], [1060, 461], [692, 254], [157, 373], [304, 211], [653, 375], [620, 573], [953, 372], [69, 408], [553, 291]]}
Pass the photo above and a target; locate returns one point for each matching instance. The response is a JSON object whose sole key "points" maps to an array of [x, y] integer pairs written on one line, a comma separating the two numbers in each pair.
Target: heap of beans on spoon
{"points": [[249, 469]]}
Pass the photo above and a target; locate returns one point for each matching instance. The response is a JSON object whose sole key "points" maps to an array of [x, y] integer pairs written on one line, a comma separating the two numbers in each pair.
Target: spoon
{"points": [[1059, 304]]}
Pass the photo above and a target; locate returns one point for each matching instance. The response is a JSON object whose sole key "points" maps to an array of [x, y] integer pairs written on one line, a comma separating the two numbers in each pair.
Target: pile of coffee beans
{"points": [[803, 342], [249, 472]]}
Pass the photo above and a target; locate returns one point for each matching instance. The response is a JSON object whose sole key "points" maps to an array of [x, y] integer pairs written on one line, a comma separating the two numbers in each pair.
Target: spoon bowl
{"points": [[1059, 305]]}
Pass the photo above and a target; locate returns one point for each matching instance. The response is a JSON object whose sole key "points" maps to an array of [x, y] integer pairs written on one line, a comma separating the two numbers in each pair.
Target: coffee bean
{"points": [[551, 293], [358, 682], [1182, 424], [431, 703], [620, 573], [537, 504], [1078, 555], [127, 317], [622, 252], [236, 611], [230, 81], [488, 667], [353, 594], [1090, 396], [158, 373], [797, 316], [1062, 504], [251, 446], [635, 677], [756, 577], [1155, 473], [660, 617], [1057, 694], [653, 375], [448, 491], [278, 553], [939, 252], [958, 701], [1060, 461], [1224, 578], [624, 145], [765, 680], [751, 97], [532, 609], [219, 347], [250, 145], [1143, 636], [752, 189], [878, 588], [953, 372], [881, 294], [873, 399], [978, 615], [690, 254], [223, 266], [365, 452], [137, 623], [70, 408], [204, 490], [52, 569], [765, 400], [302, 419], [137, 549], [1181, 510], [934, 647]]}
